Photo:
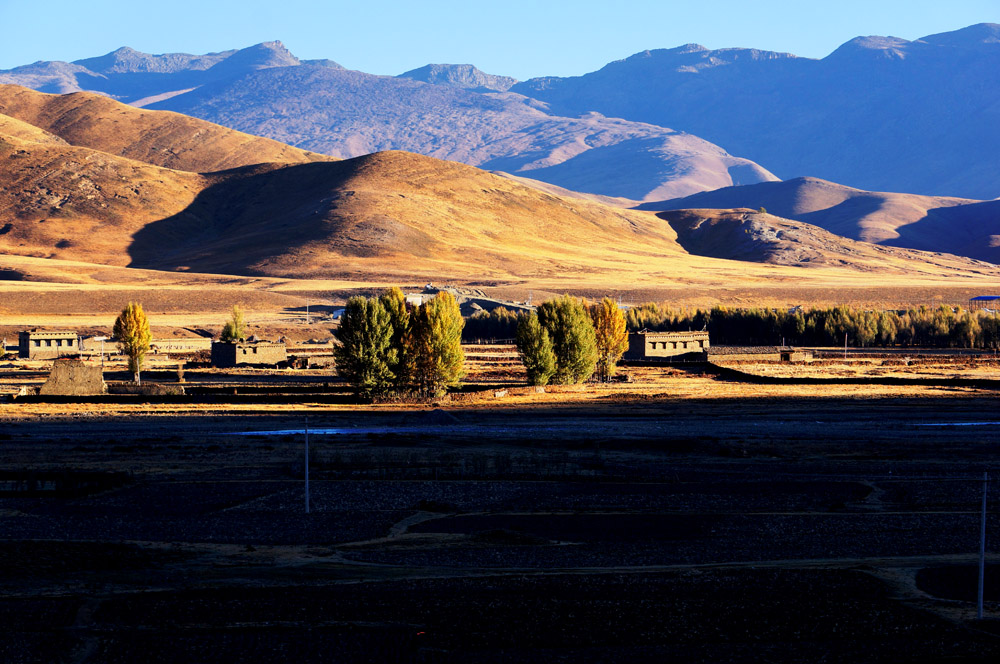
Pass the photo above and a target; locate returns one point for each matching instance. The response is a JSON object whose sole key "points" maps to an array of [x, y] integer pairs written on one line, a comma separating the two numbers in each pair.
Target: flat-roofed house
{"points": [[646, 345], [45, 345], [231, 353]]}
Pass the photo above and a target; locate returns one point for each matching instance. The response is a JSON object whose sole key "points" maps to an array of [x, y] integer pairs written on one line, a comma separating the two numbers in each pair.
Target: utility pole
{"points": [[307, 313], [102, 340], [307, 465], [982, 549], [845, 345]]}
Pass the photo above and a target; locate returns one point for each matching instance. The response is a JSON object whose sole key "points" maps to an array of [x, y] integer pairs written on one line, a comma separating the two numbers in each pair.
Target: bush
{"points": [[235, 327]]}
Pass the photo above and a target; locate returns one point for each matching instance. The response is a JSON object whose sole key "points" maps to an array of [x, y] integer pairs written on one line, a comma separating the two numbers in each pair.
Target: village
{"points": [[63, 363], [76, 365]]}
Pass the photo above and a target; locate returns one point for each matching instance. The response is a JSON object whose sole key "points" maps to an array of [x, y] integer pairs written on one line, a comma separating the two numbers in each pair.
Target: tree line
{"points": [[941, 327], [387, 346]]}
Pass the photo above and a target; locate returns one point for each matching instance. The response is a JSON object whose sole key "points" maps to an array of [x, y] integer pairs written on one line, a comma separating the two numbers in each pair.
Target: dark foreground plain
{"points": [[656, 529]]}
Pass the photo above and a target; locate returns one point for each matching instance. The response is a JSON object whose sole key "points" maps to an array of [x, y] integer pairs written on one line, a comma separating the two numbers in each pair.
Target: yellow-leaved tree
{"points": [[612, 336], [133, 336]]}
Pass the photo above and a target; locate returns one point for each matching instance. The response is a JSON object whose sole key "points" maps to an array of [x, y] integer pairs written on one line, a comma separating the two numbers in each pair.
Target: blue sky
{"points": [[517, 38]]}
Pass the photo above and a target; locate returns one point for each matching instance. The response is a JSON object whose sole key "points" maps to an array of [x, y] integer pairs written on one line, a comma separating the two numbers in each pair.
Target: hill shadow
{"points": [[971, 230], [267, 212]]}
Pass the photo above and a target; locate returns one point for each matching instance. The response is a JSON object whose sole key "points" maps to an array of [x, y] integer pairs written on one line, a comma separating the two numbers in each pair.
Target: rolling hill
{"points": [[879, 113], [929, 223], [383, 218], [165, 139], [749, 235]]}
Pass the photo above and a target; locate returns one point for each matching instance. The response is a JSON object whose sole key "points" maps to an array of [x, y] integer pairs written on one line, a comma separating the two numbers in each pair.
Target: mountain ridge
{"points": [[863, 111], [325, 108]]}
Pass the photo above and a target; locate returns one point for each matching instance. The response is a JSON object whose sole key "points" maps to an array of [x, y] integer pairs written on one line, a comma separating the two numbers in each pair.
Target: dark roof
{"points": [[665, 333], [984, 298], [747, 350]]}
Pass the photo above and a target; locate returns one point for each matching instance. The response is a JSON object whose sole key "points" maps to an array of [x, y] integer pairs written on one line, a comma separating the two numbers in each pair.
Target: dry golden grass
{"points": [[325, 230], [160, 138]]}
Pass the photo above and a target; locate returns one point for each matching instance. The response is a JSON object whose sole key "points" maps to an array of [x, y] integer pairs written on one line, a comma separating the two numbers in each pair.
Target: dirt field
{"points": [[680, 517]]}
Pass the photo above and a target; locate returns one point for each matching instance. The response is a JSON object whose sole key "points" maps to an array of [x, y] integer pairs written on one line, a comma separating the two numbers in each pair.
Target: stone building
{"points": [[646, 345], [40, 345], [227, 354]]}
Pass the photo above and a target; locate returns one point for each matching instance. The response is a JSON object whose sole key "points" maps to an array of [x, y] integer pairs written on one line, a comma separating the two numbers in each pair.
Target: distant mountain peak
{"points": [[323, 62], [872, 46], [261, 56], [460, 76], [692, 57], [972, 36], [127, 60]]}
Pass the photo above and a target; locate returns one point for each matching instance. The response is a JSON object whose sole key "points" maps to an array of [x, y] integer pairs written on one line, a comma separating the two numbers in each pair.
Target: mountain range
{"points": [[85, 178], [445, 111], [879, 113]]}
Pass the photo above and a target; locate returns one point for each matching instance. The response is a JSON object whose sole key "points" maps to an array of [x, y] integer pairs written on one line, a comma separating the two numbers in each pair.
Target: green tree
{"points": [[132, 333], [611, 336], [573, 340], [433, 344], [235, 327], [394, 302], [535, 349], [365, 353]]}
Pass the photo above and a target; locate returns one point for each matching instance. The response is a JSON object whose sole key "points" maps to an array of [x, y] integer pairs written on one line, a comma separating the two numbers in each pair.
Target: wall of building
{"points": [[233, 354], [647, 345], [47, 346]]}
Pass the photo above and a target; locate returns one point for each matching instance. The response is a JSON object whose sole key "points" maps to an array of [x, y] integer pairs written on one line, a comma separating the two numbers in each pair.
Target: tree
{"points": [[611, 336], [573, 340], [399, 318], [132, 332], [365, 353], [535, 349], [433, 344], [235, 327]]}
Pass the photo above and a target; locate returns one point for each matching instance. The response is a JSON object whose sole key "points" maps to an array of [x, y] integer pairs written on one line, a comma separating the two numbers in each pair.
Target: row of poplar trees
{"points": [[384, 345], [567, 341]]}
